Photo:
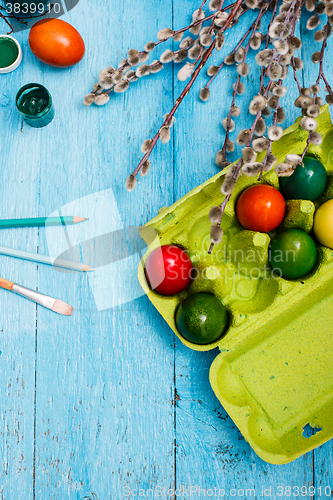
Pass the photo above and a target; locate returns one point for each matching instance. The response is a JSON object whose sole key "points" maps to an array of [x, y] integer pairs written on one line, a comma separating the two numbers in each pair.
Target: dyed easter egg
{"points": [[201, 318], [292, 254], [260, 208], [323, 224], [306, 183], [169, 270]]}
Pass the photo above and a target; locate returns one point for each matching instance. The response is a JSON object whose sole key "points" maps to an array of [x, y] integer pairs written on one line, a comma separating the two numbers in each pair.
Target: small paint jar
{"points": [[34, 103], [10, 54]]}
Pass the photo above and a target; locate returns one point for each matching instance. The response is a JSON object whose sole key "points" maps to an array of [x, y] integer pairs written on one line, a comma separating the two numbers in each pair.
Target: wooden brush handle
{"points": [[8, 285]]}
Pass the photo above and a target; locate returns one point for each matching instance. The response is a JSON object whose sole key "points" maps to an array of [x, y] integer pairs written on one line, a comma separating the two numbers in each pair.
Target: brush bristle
{"points": [[61, 307]]}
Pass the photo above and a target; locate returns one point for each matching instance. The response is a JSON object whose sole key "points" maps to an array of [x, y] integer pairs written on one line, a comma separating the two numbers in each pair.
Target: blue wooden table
{"points": [[107, 404]]}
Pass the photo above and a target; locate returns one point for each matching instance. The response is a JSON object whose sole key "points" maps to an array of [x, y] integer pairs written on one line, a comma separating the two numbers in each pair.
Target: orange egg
{"points": [[56, 43]]}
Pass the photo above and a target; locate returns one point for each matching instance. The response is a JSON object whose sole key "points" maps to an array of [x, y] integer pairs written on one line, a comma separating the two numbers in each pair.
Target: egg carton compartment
{"points": [[274, 372]]}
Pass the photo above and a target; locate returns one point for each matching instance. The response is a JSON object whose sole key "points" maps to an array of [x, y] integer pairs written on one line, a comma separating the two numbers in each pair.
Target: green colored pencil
{"points": [[40, 221]]}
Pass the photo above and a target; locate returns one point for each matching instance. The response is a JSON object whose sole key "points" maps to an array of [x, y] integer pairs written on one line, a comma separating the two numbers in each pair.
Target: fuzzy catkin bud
{"points": [[329, 99], [186, 43], [260, 127], [212, 70], [251, 169], [243, 69], [231, 125], [146, 146], [274, 71], [235, 111], [121, 87], [270, 162], [206, 40], [102, 99], [249, 155], [255, 42], [263, 57], [298, 63], [204, 94], [194, 51], [149, 46], [156, 66], [165, 34], [214, 5], [310, 5], [198, 15], [167, 56], [313, 22], [293, 159], [260, 144], [243, 137], [240, 88], [308, 123], [89, 99], [215, 215], [180, 56], [320, 7], [143, 70], [280, 116], [227, 186], [274, 133], [177, 37], [284, 170], [313, 111], [229, 146], [216, 234], [239, 55], [296, 42], [130, 182], [281, 46], [165, 134], [280, 91], [185, 72], [314, 89], [229, 59], [145, 168], [251, 4], [315, 138]]}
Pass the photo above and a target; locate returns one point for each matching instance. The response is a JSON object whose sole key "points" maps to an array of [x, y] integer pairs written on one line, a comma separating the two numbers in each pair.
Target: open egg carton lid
{"points": [[274, 373]]}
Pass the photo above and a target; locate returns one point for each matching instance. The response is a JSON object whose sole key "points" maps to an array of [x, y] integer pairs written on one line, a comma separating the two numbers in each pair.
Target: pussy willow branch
{"points": [[187, 87], [320, 76], [252, 31], [182, 30], [240, 161], [232, 52]]}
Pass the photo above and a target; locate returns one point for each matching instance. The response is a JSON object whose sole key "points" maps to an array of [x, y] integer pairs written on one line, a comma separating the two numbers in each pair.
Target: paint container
{"points": [[34, 103], [10, 54]]}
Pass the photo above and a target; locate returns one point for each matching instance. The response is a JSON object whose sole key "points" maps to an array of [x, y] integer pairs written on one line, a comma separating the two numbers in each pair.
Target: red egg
{"points": [[56, 43], [169, 270], [261, 208]]}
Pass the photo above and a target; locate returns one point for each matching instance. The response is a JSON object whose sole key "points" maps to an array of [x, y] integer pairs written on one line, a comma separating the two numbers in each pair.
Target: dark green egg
{"points": [[306, 183], [201, 318]]}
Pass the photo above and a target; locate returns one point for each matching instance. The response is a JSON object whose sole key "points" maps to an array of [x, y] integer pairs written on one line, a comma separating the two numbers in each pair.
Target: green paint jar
{"points": [[34, 103], [10, 54]]}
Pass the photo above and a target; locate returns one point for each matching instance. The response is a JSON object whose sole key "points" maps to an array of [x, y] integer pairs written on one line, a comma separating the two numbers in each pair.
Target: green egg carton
{"points": [[274, 372]]}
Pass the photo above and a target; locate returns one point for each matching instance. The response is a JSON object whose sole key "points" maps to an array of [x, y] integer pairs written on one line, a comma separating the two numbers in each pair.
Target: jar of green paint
{"points": [[10, 54], [34, 103]]}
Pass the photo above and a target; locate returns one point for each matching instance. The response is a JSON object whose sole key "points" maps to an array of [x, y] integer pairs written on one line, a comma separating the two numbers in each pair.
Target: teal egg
{"points": [[201, 318], [306, 183]]}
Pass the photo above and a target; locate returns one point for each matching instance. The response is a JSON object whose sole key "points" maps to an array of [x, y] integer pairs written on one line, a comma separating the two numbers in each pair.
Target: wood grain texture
{"points": [[108, 399]]}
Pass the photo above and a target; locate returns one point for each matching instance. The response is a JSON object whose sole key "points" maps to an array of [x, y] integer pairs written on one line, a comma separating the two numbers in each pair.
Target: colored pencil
{"points": [[44, 259], [40, 221], [55, 305]]}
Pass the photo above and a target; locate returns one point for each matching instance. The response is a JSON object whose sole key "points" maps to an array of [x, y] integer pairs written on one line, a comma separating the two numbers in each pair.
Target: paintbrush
{"points": [[49, 302]]}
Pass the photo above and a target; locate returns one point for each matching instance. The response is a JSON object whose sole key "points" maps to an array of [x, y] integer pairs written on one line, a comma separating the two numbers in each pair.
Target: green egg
{"points": [[201, 318], [306, 183]]}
